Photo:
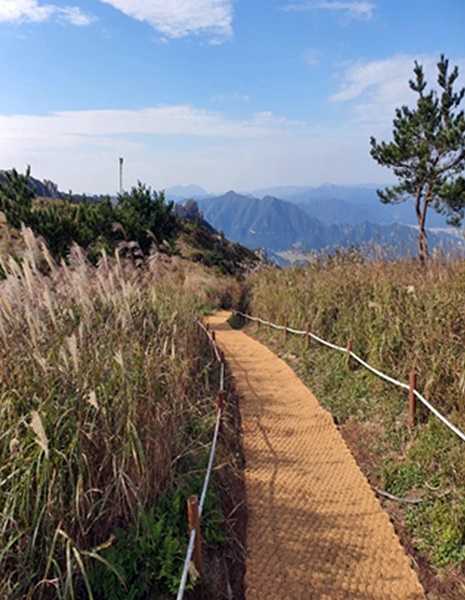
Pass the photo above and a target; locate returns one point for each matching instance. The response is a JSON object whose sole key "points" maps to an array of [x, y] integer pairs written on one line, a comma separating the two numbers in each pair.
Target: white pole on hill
{"points": [[121, 161]]}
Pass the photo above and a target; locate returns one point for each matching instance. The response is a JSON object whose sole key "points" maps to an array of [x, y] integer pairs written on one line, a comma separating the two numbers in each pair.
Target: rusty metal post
{"points": [[194, 523], [307, 336], [412, 399], [349, 350]]}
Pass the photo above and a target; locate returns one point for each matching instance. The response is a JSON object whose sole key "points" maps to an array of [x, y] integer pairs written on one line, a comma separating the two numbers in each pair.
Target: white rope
{"points": [[325, 343], [222, 376], [296, 331], [212, 341], [187, 562], [380, 374], [210, 462], [439, 416], [190, 548]]}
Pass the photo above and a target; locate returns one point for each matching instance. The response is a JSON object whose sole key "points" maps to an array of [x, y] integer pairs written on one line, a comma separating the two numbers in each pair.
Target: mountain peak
{"points": [[186, 191]]}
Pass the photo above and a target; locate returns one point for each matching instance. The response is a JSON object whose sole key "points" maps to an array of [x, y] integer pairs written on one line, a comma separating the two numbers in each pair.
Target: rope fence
{"points": [[194, 506], [413, 393]]}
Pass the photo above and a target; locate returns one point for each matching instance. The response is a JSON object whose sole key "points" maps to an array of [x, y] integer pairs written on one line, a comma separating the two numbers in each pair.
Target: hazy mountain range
{"points": [[291, 221], [328, 203], [319, 218]]}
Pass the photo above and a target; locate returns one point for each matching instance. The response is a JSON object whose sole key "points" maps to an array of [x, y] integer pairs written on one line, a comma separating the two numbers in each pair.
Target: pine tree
{"points": [[16, 197], [427, 153], [145, 217]]}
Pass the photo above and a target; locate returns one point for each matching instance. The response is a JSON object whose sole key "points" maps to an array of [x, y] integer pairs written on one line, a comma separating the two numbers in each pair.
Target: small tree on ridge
{"points": [[427, 153]]}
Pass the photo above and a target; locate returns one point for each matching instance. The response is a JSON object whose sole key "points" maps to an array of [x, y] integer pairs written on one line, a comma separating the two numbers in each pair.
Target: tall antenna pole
{"points": [[121, 160]]}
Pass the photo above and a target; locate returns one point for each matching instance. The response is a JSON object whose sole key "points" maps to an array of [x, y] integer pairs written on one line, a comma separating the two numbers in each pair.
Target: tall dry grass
{"points": [[103, 375], [399, 316]]}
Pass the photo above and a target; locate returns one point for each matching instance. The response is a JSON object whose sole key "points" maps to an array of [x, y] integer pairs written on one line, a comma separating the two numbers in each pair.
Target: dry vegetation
{"points": [[106, 411], [399, 317]]}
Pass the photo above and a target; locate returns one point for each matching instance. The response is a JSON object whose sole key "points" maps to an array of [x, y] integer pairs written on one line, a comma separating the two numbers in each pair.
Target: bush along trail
{"points": [[315, 528]]}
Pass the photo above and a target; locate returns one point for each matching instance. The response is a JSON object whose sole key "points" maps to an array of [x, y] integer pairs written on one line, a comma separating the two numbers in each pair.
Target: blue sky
{"points": [[227, 94]]}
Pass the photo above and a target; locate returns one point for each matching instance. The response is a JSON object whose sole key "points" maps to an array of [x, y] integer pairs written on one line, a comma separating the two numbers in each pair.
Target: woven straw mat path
{"points": [[315, 528]]}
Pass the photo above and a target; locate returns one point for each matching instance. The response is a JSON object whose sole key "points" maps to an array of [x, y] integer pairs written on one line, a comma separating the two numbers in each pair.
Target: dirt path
{"points": [[316, 530]]}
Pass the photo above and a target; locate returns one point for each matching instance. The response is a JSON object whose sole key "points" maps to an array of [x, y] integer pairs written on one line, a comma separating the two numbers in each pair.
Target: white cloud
{"points": [[374, 89], [179, 18], [354, 10], [30, 11], [169, 145], [105, 128], [74, 16]]}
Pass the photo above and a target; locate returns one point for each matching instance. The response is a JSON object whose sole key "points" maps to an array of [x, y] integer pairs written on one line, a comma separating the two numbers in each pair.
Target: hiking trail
{"points": [[316, 530]]}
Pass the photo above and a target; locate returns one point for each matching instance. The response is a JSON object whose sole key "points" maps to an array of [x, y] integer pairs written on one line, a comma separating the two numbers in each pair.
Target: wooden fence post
{"points": [[286, 333], [307, 336], [268, 327], [349, 350], [412, 399], [194, 523]]}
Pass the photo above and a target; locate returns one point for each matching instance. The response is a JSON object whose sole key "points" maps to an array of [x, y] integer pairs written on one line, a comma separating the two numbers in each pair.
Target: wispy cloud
{"points": [[312, 57], [67, 129], [161, 145], [230, 98], [80, 150], [374, 89], [354, 10], [179, 18], [31, 11]]}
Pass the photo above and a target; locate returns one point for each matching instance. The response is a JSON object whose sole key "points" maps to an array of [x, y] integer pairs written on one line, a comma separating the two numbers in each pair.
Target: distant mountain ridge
{"points": [[268, 222], [277, 225], [352, 205], [308, 218], [185, 192]]}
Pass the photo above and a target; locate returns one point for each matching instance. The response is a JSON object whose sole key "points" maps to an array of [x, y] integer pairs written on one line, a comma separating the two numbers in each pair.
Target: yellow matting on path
{"points": [[315, 528]]}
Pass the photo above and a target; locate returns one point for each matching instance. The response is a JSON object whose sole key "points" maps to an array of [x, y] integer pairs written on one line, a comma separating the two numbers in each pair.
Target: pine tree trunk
{"points": [[423, 250], [421, 210]]}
